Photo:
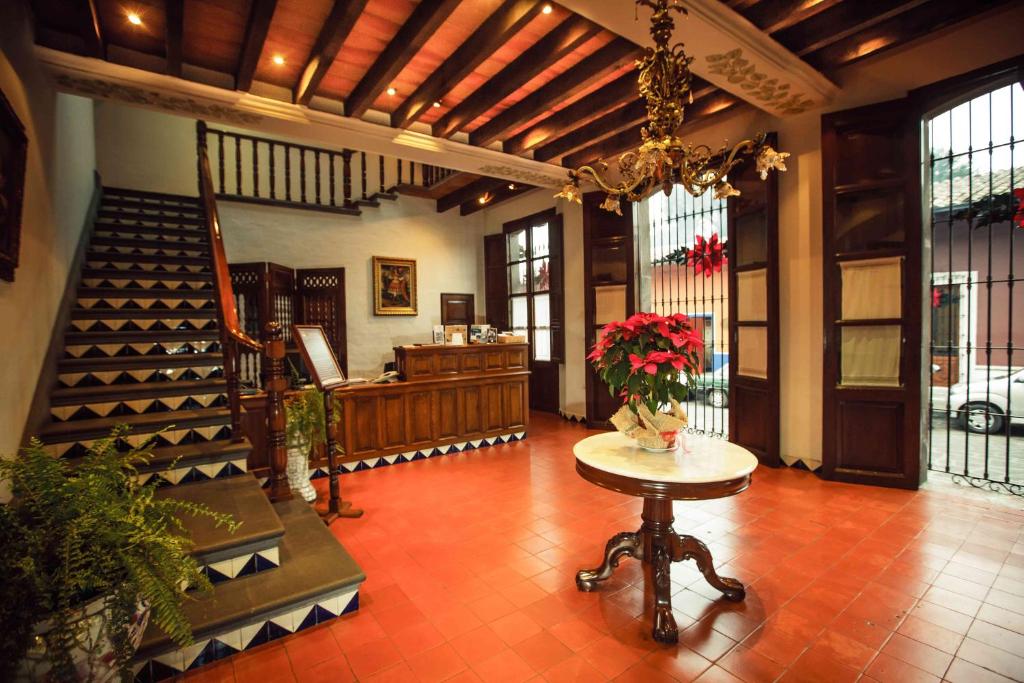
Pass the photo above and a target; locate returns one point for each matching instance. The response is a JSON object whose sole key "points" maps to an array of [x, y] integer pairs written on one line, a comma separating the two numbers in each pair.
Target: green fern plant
{"points": [[305, 415], [77, 532]]}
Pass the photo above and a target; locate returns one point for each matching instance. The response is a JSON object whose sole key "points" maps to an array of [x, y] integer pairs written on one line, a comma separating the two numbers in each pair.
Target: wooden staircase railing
{"points": [[270, 172], [233, 339]]}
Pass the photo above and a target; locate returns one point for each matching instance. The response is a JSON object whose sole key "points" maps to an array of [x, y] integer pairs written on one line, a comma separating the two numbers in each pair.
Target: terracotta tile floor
{"points": [[470, 561]]}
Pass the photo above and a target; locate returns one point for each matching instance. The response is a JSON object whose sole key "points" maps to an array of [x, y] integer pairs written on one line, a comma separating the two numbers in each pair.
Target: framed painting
{"points": [[394, 286], [13, 151]]}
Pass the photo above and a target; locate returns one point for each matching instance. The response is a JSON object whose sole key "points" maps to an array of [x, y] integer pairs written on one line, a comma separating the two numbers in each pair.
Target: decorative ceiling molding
{"points": [[101, 80], [728, 51]]}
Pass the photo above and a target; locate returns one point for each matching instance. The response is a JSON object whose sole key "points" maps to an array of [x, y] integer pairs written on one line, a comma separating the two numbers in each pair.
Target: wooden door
{"points": [[871, 179], [495, 282], [754, 313]]}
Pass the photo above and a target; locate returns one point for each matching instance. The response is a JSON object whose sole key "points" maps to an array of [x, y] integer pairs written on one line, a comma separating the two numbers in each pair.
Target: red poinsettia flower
{"points": [[936, 297], [1018, 218], [637, 363], [707, 255]]}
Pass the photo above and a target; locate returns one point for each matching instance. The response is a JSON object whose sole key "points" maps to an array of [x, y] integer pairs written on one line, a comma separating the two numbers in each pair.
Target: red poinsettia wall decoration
{"points": [[1018, 217], [707, 256], [648, 358]]}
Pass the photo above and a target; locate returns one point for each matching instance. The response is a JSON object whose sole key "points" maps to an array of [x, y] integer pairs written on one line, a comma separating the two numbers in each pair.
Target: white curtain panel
{"points": [[752, 351], [870, 355], [752, 296], [872, 288]]}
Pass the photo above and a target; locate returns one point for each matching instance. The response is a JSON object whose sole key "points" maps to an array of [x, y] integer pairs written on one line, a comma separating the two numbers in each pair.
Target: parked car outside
{"points": [[985, 406], [713, 387]]}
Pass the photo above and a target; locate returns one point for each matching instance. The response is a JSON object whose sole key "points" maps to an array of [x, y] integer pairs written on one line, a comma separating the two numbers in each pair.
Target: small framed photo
{"points": [[439, 334], [478, 333], [394, 286], [492, 335], [455, 334]]}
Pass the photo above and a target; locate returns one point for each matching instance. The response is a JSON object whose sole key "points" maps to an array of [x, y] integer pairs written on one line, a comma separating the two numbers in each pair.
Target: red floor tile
{"points": [[834, 573]]}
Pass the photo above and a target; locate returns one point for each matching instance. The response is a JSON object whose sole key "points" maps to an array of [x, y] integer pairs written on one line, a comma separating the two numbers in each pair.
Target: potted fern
{"points": [[305, 429], [90, 556]]}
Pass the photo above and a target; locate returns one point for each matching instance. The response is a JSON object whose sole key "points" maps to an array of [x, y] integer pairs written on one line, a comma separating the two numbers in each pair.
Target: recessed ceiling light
{"points": [[278, 59], [392, 91], [134, 19], [436, 105], [511, 186], [482, 199], [547, 9]]}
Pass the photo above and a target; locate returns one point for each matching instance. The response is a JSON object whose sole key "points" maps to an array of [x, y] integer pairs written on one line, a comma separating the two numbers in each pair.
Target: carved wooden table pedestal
{"points": [[702, 468]]}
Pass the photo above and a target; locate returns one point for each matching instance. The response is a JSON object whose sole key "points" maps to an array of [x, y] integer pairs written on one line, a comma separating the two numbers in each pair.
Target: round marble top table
{"points": [[699, 469]]}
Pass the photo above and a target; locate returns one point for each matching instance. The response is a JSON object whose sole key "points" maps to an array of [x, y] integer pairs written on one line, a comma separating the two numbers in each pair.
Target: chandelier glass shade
{"points": [[663, 160]]}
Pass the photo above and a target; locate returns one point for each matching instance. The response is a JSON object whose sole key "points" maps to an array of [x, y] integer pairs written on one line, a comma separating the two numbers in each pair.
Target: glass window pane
{"points": [[752, 296], [869, 221], [870, 355], [751, 239], [541, 275], [518, 317], [542, 344], [517, 245], [752, 352], [540, 240], [871, 289], [542, 310], [517, 278]]}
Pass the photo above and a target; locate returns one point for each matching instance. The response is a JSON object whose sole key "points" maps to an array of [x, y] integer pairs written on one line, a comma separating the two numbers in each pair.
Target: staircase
{"points": [[143, 349]]}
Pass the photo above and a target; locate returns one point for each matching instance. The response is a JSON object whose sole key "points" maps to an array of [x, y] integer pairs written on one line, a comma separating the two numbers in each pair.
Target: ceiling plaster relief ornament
{"points": [[741, 71], [130, 94], [663, 160], [529, 177]]}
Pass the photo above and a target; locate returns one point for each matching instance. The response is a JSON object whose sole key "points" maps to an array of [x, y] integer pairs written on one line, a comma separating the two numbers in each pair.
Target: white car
{"points": [[983, 406]]}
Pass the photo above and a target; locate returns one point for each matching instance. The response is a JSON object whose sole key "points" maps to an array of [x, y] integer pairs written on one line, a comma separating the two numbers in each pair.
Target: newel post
{"points": [[276, 383]]}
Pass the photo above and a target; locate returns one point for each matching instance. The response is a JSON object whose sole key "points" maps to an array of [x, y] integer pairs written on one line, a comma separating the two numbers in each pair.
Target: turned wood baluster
{"points": [[334, 505], [398, 181], [273, 188], [316, 174], [255, 167], [220, 159], [277, 449], [380, 174], [330, 158], [362, 171], [302, 172], [288, 172], [346, 167], [238, 165]]}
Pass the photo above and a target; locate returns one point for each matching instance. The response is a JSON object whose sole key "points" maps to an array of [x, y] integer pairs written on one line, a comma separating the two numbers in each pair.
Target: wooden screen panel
{"points": [[754, 255], [281, 297], [495, 282], [248, 282], [321, 301], [871, 170]]}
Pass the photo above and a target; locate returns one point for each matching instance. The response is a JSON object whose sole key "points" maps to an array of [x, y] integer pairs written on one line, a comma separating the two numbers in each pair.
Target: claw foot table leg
{"points": [[627, 543], [690, 547]]}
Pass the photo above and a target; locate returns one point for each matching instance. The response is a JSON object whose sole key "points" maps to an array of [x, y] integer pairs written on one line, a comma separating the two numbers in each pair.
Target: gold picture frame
{"points": [[394, 286]]}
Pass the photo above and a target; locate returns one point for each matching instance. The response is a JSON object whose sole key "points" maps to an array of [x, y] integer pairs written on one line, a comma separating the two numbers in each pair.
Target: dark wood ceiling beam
{"points": [[897, 30], [556, 44], [624, 117], [700, 112], [470, 193], [774, 15], [504, 23], [584, 110], [421, 24], [174, 26], [260, 14], [612, 56], [332, 36], [498, 196], [92, 30], [839, 22]]}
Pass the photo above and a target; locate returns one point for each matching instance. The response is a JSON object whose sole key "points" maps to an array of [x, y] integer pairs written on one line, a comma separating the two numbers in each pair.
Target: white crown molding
{"points": [[102, 80], [728, 51]]}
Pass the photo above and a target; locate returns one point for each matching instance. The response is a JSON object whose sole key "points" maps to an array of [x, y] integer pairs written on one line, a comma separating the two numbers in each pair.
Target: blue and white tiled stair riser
{"points": [[235, 640], [246, 564], [398, 458]]}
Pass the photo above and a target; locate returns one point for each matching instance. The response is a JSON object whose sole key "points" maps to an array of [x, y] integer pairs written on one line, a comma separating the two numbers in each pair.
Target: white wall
{"points": [[59, 185], [572, 388], [445, 247]]}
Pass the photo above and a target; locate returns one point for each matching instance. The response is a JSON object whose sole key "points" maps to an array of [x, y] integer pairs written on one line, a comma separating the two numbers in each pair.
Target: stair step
{"points": [[390, 196], [141, 204], [224, 554], [134, 362], [82, 430], [316, 582], [137, 337], [218, 451], [78, 395], [166, 264], [137, 274], [137, 243], [123, 192], [157, 232], [132, 370], [130, 217], [84, 320]]}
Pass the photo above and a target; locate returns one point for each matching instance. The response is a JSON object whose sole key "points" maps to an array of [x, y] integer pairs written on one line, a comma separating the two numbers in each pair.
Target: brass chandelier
{"points": [[662, 159]]}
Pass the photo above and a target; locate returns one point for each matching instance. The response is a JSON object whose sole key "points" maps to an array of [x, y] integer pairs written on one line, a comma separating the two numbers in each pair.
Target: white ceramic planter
{"points": [[298, 474]]}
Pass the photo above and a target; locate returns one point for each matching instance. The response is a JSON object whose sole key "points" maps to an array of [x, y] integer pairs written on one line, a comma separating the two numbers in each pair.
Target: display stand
{"points": [[327, 375]]}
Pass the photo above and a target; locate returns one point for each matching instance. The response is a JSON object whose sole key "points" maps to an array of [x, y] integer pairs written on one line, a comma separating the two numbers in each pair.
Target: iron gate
{"points": [[976, 195], [674, 224]]}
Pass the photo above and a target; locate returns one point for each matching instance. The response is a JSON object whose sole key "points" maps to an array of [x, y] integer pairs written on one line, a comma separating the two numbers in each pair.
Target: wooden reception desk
{"points": [[447, 395]]}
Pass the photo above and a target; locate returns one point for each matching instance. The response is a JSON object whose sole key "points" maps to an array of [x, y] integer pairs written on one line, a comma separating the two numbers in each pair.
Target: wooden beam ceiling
{"points": [[260, 14], [624, 117], [411, 37], [703, 110], [332, 36], [841, 21], [558, 43], [175, 24], [582, 111], [92, 31], [499, 195], [772, 16], [504, 23], [558, 89]]}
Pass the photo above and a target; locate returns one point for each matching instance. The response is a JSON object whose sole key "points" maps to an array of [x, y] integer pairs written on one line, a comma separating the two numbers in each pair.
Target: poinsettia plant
{"points": [[648, 358]]}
